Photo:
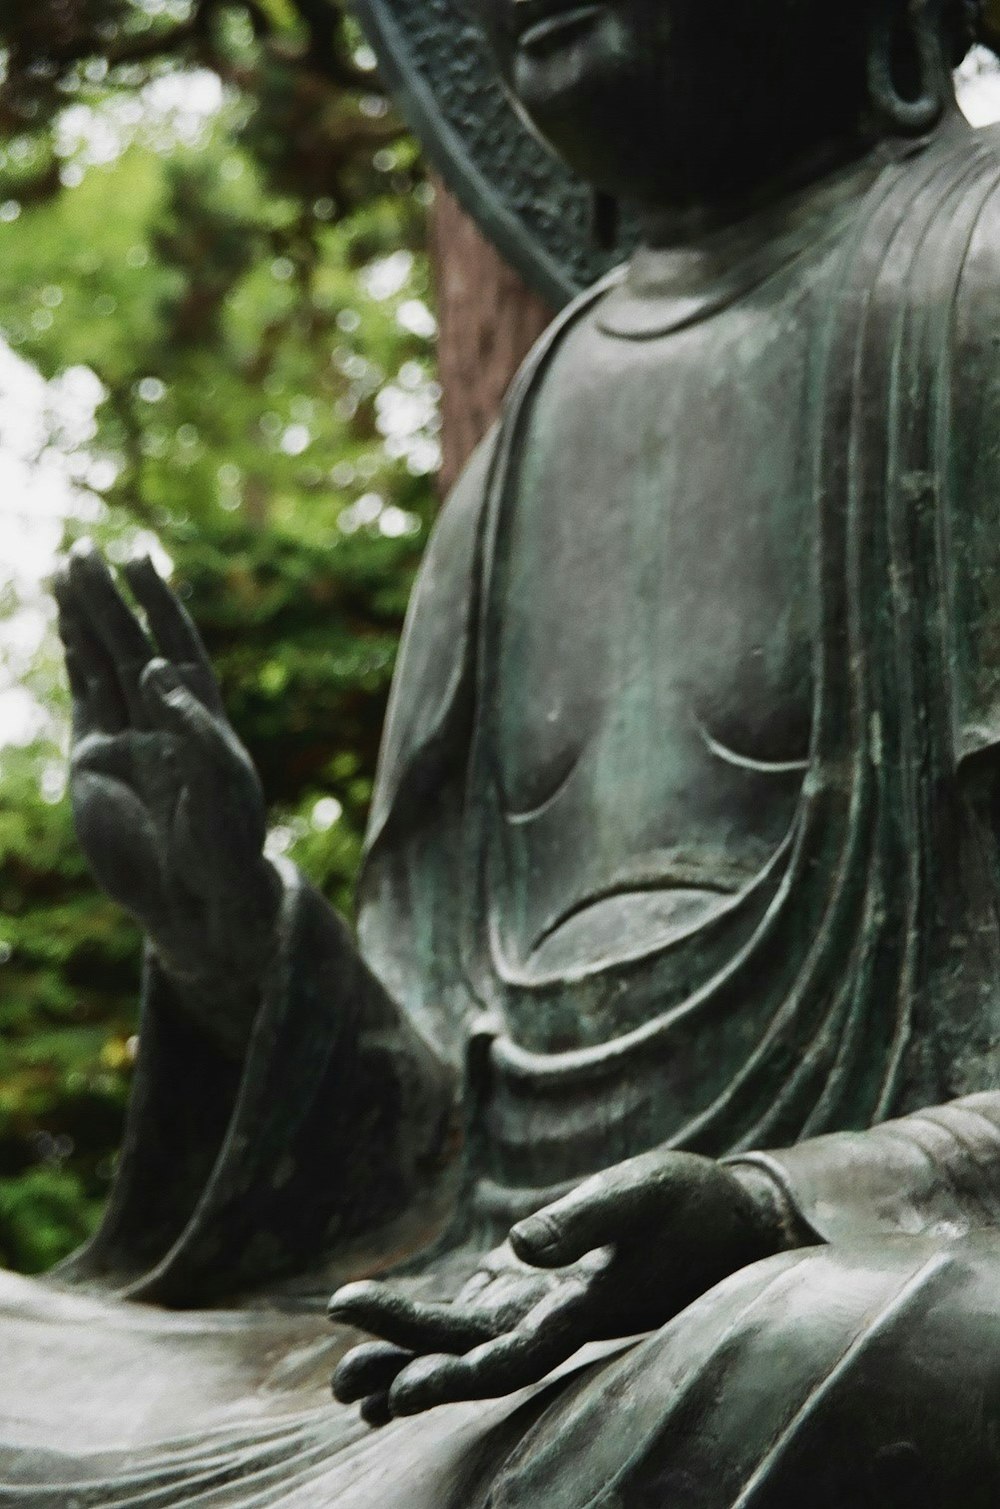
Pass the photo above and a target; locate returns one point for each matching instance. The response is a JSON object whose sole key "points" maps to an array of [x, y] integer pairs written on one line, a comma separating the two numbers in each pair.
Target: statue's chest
{"points": [[651, 589]]}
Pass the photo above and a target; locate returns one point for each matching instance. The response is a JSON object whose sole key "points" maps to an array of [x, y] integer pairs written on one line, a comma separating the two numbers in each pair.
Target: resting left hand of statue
{"points": [[620, 1255]]}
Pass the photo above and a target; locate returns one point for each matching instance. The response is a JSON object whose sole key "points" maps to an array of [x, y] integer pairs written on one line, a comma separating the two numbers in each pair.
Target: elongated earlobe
{"points": [[603, 220], [985, 20], [907, 33]]}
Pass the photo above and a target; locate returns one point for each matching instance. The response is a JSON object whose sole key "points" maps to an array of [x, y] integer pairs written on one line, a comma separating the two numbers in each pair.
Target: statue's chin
{"points": [[602, 110], [572, 116], [603, 160], [577, 77]]}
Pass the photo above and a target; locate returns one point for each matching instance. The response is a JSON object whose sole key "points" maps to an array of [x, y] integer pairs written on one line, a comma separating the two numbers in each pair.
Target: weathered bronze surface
{"points": [[682, 894]]}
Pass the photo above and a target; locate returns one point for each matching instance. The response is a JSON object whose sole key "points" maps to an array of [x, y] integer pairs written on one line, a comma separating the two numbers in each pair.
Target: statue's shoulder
{"points": [[980, 282], [442, 604], [450, 553], [967, 274], [961, 177], [923, 252], [985, 138], [975, 171], [557, 352], [431, 690]]}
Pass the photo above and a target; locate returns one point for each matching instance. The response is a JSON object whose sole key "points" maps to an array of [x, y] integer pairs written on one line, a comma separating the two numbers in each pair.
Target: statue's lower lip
{"points": [[554, 28]]}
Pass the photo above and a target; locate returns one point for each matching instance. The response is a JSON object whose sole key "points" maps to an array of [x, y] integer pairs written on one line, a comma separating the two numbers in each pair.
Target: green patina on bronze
{"points": [[681, 903]]}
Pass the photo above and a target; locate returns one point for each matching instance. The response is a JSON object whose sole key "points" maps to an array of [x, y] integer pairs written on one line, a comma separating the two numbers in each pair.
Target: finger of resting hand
{"points": [[476, 1285], [612, 1206], [565, 1231], [368, 1369], [409, 1323], [172, 626], [375, 1410], [111, 620], [512, 1362], [596, 1213]]}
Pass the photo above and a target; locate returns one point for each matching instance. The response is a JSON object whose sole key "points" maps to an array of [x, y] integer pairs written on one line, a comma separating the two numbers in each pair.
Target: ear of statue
{"points": [[988, 23], [603, 220], [908, 76]]}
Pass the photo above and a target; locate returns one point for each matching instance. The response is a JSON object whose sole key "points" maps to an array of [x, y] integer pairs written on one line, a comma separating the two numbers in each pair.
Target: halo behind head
{"points": [[527, 202]]}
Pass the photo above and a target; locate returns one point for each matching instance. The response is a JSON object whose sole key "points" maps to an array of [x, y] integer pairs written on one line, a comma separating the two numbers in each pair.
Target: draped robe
{"points": [[801, 1027]]}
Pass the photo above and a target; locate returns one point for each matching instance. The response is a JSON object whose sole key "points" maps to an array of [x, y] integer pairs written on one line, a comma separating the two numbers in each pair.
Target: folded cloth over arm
{"points": [[233, 1173]]}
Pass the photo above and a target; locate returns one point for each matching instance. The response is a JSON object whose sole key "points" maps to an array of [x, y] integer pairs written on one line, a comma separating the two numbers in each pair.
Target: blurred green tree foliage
{"points": [[212, 224]]}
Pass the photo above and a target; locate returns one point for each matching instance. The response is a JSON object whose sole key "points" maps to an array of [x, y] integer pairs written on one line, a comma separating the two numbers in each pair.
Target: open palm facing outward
{"points": [[168, 807], [620, 1255]]}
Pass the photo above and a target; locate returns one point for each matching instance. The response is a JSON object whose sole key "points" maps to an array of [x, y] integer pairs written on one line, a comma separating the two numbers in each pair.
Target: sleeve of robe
{"points": [[233, 1174], [933, 1173], [236, 1174]]}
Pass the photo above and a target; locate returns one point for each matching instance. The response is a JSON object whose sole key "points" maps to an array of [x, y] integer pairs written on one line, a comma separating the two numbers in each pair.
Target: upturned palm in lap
{"points": [[622, 1254]]}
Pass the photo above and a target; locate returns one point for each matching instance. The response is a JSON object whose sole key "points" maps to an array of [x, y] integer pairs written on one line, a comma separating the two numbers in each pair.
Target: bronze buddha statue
{"points": [[681, 901]]}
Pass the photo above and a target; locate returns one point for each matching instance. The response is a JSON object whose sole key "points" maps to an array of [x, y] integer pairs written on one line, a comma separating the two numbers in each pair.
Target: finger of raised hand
{"points": [[547, 1337], [368, 1369], [71, 632], [409, 1323], [98, 704], [112, 622], [172, 627], [120, 841], [201, 735]]}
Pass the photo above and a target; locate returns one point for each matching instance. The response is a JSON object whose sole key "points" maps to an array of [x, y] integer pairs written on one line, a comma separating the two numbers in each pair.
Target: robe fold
{"points": [[854, 984], [240, 1178]]}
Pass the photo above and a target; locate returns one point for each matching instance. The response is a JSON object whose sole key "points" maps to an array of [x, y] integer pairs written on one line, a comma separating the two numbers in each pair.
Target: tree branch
{"points": [[139, 49], [323, 20]]}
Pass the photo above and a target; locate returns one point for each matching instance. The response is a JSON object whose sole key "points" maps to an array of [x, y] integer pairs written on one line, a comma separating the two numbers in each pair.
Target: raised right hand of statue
{"points": [[168, 807]]}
